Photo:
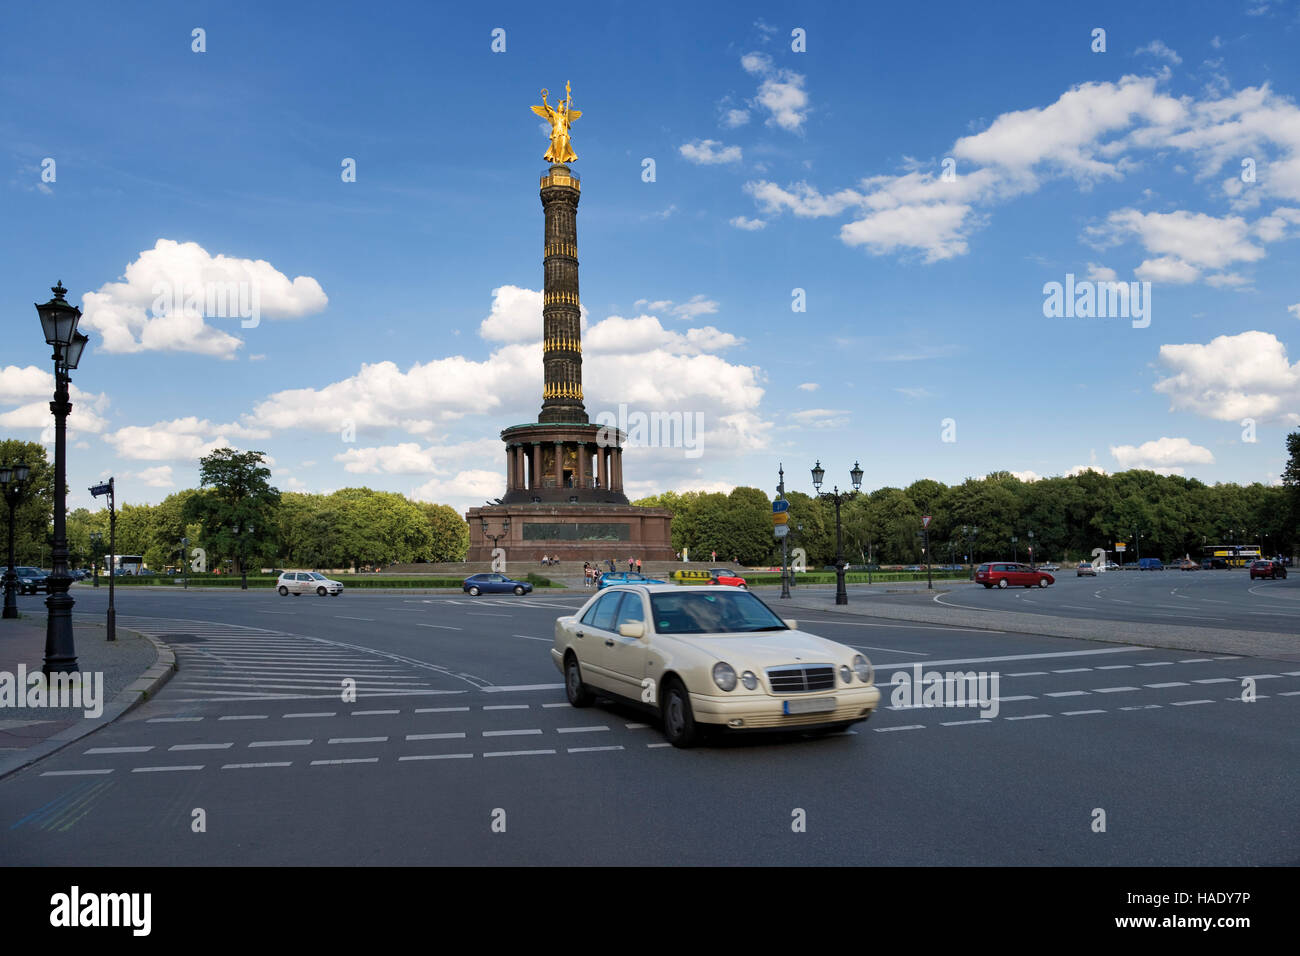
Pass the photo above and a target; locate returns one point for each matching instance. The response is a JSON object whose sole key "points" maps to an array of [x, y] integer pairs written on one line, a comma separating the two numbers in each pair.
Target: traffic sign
{"points": [[99, 490], [1120, 546], [781, 530], [780, 505], [780, 518], [925, 521]]}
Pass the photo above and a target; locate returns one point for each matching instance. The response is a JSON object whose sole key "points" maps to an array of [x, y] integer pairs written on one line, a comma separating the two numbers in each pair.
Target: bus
{"points": [[127, 563], [1236, 555]]}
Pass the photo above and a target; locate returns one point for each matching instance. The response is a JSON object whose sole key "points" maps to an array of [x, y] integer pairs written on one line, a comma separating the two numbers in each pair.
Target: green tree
{"points": [[34, 514], [236, 507], [449, 533]]}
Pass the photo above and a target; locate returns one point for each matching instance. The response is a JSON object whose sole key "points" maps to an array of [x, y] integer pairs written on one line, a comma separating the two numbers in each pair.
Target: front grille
{"points": [[800, 679]]}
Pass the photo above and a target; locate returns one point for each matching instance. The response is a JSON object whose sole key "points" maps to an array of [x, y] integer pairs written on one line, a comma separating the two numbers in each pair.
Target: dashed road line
{"points": [[280, 743], [513, 733], [588, 750], [325, 763], [579, 730], [434, 757], [225, 746], [517, 753], [75, 773], [447, 736], [358, 740], [250, 766], [117, 750], [885, 730], [197, 766]]}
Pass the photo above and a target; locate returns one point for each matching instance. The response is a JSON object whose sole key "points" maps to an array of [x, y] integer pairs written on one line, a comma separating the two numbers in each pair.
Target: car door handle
{"points": [[577, 633], [609, 643]]}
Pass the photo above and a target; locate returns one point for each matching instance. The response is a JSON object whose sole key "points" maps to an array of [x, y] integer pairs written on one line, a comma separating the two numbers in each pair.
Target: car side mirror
{"points": [[790, 623], [632, 629]]}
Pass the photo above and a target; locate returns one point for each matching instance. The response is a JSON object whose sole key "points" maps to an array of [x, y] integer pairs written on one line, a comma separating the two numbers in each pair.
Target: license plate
{"points": [[815, 705]]}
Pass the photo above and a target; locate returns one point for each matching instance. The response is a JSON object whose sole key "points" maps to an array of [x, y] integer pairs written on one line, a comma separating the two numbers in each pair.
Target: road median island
{"points": [[1271, 645]]}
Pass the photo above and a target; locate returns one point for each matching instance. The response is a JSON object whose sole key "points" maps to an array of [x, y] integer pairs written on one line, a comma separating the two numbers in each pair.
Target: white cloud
{"points": [[1080, 469], [516, 316], [179, 439], [475, 485], [733, 118], [706, 152], [915, 392], [1166, 269], [1098, 273], [781, 92], [1233, 377], [1294, 309], [821, 417], [409, 458], [810, 386], [693, 307], [935, 228], [138, 314], [1185, 242], [1027, 476], [1164, 455], [159, 476], [747, 224], [1158, 48]]}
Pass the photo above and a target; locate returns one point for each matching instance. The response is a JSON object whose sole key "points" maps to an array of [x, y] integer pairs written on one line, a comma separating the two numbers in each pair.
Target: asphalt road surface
{"points": [[461, 749]]}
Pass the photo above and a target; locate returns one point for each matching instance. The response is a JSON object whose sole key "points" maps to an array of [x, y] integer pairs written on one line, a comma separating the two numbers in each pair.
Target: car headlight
{"points": [[846, 674], [749, 679], [862, 667], [724, 675]]}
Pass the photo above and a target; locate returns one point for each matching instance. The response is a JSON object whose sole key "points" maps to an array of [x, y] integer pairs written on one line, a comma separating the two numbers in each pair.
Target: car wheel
{"points": [[679, 722], [322, 592], [574, 688], [284, 591], [519, 590], [987, 586], [1002, 582], [1043, 582], [297, 594], [473, 592]]}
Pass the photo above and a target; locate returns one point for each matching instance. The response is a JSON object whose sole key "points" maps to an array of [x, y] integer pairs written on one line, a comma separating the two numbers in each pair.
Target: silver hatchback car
{"points": [[307, 582]]}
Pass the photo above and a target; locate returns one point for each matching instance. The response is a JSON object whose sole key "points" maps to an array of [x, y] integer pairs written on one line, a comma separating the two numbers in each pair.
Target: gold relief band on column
{"points": [[560, 298], [562, 249]]}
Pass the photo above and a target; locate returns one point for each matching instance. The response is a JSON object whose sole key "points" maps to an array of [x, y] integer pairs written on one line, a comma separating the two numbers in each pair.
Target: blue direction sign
{"points": [[780, 506]]}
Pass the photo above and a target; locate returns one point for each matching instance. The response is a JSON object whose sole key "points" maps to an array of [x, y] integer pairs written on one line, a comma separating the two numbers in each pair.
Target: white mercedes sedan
{"points": [[715, 656]]}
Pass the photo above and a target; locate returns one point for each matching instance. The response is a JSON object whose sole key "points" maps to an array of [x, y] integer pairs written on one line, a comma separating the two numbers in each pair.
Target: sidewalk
{"points": [[132, 669], [1271, 645]]}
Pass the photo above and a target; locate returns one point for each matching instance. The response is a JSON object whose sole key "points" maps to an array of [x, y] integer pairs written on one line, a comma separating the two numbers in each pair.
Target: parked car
{"points": [[306, 582], [493, 583], [1112, 566], [625, 577], [1049, 566], [1085, 570], [1005, 574], [1267, 569], [1187, 564], [31, 580], [710, 656], [728, 577], [1214, 564], [1150, 564]]}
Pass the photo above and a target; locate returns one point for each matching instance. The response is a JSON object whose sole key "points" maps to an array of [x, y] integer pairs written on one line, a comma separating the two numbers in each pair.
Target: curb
{"points": [[130, 697]]}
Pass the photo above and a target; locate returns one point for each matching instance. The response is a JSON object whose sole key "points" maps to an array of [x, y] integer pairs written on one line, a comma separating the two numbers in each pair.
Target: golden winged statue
{"points": [[559, 116]]}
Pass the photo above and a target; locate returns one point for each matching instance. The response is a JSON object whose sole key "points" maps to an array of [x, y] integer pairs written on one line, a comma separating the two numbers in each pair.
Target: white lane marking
{"points": [[197, 766], [358, 740], [895, 625], [434, 757], [440, 710], [505, 706], [1292, 673], [171, 720], [460, 736], [117, 750], [322, 763], [373, 713], [248, 766], [443, 627], [1069, 693], [1214, 680], [1072, 670], [1112, 667], [636, 726], [515, 687], [885, 730], [1195, 660], [964, 723], [1173, 683], [1262, 677], [1014, 657], [1111, 690], [225, 746], [1029, 674], [659, 745], [245, 717], [280, 743], [592, 750], [1080, 713], [532, 731], [529, 637], [1184, 703], [566, 704], [1289, 693], [1157, 664], [322, 713], [872, 647], [1231, 657], [1142, 707], [517, 753], [485, 614], [344, 617], [74, 773], [579, 730], [1019, 697], [1028, 717]]}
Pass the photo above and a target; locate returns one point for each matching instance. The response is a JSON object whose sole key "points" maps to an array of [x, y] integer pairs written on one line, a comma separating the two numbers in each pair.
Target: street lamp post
{"points": [[96, 552], [59, 323], [1031, 548], [1137, 540], [839, 497], [12, 480], [505, 530], [107, 489], [184, 568], [785, 554], [1015, 553]]}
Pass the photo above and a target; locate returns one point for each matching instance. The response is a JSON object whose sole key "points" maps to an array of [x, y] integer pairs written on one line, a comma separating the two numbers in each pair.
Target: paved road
{"points": [[460, 717]]}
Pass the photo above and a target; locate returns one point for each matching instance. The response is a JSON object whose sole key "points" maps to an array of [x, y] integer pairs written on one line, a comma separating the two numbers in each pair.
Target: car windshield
{"points": [[712, 613]]}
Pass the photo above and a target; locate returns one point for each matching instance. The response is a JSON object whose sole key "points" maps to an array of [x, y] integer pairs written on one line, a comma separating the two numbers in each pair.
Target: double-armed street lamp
{"points": [[108, 489], [59, 323], [969, 533], [839, 497], [505, 530], [12, 480]]}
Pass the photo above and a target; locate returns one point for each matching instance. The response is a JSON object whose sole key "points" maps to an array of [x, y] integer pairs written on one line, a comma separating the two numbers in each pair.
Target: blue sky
{"points": [[399, 314]]}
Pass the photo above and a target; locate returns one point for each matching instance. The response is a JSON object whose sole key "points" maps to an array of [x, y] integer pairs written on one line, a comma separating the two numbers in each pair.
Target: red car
{"points": [[1267, 569], [1005, 574], [728, 577]]}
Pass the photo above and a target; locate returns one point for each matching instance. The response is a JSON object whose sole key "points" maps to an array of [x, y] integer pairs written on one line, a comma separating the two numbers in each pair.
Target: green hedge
{"points": [[857, 577], [349, 581]]}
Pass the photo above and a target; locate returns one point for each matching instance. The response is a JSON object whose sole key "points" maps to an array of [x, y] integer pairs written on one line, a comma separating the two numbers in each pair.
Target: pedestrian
{"points": [[714, 556], [638, 565]]}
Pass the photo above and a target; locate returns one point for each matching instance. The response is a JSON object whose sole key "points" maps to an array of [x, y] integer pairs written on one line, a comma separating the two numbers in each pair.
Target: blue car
{"points": [[477, 584], [626, 577]]}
